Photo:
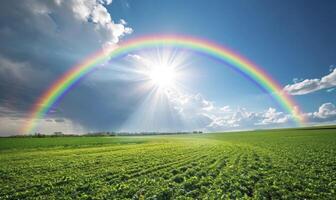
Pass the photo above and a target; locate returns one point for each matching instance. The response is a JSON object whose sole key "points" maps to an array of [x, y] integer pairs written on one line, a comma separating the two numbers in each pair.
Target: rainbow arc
{"points": [[250, 70]]}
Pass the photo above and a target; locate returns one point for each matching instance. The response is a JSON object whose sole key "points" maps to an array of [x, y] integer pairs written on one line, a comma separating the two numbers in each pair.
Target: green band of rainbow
{"points": [[59, 87]]}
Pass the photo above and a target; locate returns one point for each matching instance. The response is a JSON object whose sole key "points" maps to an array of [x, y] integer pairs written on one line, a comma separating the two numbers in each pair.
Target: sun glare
{"points": [[161, 70], [162, 76]]}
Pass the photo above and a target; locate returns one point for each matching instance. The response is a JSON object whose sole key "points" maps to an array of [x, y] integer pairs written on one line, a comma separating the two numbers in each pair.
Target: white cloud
{"points": [[326, 110], [195, 108], [271, 116], [100, 15], [66, 22], [325, 113], [123, 22], [225, 109], [311, 85], [108, 2]]}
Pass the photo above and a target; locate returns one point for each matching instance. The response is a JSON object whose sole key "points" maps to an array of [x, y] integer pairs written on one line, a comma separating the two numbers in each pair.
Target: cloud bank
{"points": [[197, 111], [325, 113], [311, 85]]}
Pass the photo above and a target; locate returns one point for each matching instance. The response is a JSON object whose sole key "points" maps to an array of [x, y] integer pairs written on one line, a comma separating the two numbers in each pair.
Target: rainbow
{"points": [[47, 100]]}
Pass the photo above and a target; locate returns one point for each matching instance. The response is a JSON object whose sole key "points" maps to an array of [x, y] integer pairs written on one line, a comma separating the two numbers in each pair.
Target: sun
{"points": [[162, 76], [162, 70]]}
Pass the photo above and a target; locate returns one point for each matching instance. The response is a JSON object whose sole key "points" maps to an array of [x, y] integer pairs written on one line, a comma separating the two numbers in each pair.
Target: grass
{"points": [[273, 164], [64, 142]]}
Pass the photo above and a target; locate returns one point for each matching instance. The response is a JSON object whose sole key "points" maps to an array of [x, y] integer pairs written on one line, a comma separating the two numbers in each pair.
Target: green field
{"points": [[278, 164]]}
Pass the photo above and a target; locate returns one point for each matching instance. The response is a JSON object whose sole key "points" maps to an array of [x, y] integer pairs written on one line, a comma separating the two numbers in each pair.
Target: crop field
{"points": [[274, 164]]}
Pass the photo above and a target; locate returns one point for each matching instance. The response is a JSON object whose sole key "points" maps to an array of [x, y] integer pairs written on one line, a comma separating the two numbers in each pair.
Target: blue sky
{"points": [[294, 41]]}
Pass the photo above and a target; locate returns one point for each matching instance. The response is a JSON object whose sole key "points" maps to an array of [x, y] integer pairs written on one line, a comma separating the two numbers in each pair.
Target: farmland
{"points": [[277, 164]]}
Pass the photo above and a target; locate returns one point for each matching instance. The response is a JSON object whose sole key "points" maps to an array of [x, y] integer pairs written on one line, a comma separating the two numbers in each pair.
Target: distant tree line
{"points": [[140, 133], [107, 133]]}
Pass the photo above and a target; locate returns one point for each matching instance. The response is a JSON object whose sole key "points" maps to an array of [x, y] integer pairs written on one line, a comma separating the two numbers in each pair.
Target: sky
{"points": [[293, 41]]}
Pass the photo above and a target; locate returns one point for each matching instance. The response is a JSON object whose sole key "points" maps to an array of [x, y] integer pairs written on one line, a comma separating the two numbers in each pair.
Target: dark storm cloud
{"points": [[40, 40], [104, 106]]}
